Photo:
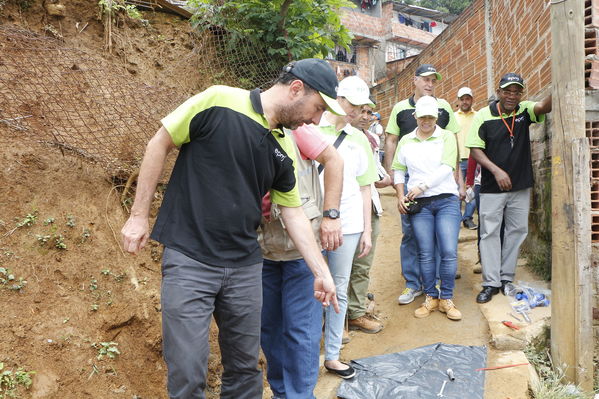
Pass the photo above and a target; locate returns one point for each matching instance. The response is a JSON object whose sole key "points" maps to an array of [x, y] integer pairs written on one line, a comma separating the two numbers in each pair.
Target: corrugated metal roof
{"points": [[423, 12]]}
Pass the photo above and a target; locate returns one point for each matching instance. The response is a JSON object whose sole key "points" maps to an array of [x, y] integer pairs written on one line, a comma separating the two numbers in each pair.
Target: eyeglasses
{"points": [[517, 93]]}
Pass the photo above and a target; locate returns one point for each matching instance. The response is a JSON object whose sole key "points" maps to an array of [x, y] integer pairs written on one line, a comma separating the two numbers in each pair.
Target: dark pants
{"points": [[291, 328], [191, 293]]}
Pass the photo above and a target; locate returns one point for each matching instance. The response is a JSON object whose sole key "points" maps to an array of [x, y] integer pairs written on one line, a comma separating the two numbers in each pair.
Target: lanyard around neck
{"points": [[509, 129]]}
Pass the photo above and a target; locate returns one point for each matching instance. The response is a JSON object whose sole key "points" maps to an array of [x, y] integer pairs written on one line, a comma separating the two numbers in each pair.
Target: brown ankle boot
{"points": [[430, 305], [447, 306]]}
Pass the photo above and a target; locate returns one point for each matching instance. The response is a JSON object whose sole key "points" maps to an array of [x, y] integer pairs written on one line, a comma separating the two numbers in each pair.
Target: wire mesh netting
{"points": [[78, 102], [81, 103]]}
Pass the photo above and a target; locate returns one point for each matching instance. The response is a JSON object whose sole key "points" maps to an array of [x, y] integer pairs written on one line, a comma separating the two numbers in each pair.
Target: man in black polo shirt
{"points": [[232, 151], [499, 140], [402, 122]]}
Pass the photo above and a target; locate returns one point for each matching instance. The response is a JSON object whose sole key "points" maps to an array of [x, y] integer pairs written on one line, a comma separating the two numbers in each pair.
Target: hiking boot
{"points": [[469, 224], [429, 305], [345, 339], [447, 306], [408, 295], [366, 325]]}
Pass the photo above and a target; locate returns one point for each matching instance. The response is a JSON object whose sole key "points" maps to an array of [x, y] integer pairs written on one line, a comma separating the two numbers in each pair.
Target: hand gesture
{"points": [[324, 291]]}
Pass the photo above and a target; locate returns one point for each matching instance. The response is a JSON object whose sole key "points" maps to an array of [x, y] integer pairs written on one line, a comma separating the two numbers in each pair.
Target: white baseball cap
{"points": [[426, 106], [355, 90], [464, 91]]}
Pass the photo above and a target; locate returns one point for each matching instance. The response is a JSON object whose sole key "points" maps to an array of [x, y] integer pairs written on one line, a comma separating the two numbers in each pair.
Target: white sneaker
{"points": [[408, 295]]}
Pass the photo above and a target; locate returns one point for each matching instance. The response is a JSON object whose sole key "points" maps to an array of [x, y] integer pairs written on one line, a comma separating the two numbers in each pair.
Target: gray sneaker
{"points": [[469, 224], [408, 295]]}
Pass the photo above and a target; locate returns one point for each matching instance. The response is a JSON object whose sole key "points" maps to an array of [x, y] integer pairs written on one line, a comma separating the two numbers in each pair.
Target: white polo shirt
{"points": [[422, 159], [358, 170]]}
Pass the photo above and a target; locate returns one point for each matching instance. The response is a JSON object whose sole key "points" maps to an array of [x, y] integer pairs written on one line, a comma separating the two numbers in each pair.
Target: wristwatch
{"points": [[331, 213]]}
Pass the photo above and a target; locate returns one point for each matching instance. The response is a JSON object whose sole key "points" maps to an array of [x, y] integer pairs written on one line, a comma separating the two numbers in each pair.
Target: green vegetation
{"points": [[10, 281], [115, 6], [108, 349], [11, 380], [550, 385], [279, 30], [28, 220]]}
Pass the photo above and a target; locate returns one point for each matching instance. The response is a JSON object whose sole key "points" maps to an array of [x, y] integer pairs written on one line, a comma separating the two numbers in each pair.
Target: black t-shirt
{"points": [[228, 161], [489, 133]]}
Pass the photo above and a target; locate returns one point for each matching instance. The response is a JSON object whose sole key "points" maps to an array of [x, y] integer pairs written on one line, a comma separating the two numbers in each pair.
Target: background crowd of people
{"points": [[292, 225]]}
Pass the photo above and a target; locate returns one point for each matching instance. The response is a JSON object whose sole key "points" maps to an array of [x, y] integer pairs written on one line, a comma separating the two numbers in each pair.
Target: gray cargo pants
{"points": [[191, 293], [499, 261]]}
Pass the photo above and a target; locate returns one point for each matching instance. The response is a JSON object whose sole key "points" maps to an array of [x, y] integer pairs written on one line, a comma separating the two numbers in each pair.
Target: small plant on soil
{"points": [[71, 221], [49, 221], [85, 235], [28, 220], [117, 277], [8, 279], [10, 381], [43, 238], [59, 242], [108, 349]]}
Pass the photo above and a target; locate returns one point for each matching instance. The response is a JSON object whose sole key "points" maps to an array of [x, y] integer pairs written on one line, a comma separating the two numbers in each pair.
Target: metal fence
{"points": [[76, 101], [81, 103]]}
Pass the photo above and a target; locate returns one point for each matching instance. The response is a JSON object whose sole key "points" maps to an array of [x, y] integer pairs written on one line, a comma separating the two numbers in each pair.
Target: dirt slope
{"points": [[87, 292]]}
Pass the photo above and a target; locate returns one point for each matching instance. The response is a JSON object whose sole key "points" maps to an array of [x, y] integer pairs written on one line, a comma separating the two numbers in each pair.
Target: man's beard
{"points": [[287, 115]]}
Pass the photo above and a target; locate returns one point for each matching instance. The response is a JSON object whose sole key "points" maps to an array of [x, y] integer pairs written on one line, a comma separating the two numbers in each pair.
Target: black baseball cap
{"points": [[319, 75], [427, 70], [511, 79]]}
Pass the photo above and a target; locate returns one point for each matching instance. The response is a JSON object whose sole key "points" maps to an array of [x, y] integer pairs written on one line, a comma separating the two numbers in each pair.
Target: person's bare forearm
{"points": [[544, 106], [367, 206], [149, 172], [390, 147], [484, 161], [299, 229]]}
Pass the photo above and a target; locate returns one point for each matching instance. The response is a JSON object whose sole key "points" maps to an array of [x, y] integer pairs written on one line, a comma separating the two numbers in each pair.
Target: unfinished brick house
{"points": [[489, 39], [387, 35]]}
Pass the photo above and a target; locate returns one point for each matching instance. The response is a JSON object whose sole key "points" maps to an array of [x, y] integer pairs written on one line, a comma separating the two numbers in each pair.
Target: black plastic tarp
{"points": [[419, 374]]}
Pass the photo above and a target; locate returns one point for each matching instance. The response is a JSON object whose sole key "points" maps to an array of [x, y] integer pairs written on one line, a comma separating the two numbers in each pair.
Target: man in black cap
{"points": [[499, 140], [232, 151], [402, 122]]}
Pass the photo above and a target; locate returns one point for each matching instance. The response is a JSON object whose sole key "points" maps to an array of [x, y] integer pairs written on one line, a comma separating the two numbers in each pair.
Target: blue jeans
{"points": [[340, 263], [408, 253], [439, 220], [470, 206], [291, 328]]}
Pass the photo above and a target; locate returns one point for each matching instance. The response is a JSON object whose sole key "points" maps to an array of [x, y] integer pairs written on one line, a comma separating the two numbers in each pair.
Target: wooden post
{"points": [[571, 315]]}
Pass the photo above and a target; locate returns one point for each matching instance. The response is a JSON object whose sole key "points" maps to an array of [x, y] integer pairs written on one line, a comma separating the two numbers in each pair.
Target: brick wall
{"points": [[459, 55], [521, 42]]}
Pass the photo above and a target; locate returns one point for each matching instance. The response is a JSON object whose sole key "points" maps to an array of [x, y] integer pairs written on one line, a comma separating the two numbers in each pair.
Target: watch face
{"points": [[331, 213]]}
